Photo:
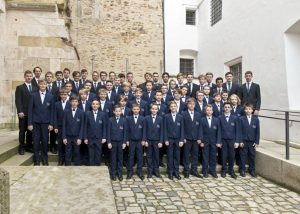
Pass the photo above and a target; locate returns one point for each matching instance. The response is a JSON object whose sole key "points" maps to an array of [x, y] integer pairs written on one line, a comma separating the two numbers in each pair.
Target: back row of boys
{"points": [[38, 114]]}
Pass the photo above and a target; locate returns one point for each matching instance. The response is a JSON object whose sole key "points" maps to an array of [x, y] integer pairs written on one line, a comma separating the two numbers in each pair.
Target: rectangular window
{"points": [[186, 66], [237, 73], [190, 17], [216, 11]]}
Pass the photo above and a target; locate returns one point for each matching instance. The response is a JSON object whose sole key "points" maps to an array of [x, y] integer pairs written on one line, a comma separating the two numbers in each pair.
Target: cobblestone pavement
{"points": [[194, 195]]}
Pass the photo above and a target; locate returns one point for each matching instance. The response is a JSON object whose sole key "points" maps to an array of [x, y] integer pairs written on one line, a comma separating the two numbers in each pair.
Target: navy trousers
{"points": [[173, 153], [116, 158], [247, 152], [60, 146], [153, 157], [228, 154], [94, 151], [135, 150], [190, 155], [209, 158], [72, 151], [40, 135]]}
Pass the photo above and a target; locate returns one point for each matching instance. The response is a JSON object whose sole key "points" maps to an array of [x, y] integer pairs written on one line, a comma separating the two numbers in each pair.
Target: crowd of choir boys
{"points": [[114, 119]]}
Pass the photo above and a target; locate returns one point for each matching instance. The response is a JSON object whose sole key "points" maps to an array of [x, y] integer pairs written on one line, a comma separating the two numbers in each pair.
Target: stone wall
{"points": [[116, 30], [4, 191]]}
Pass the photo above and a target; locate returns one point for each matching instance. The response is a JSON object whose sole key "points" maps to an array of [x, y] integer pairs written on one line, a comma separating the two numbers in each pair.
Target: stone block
{"points": [[30, 62], [30, 41], [4, 192]]}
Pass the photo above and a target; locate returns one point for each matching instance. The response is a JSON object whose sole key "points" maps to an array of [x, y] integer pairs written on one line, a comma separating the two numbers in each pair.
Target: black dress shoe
{"points": [[54, 150], [36, 164], [149, 175], [162, 164], [177, 176], [21, 151], [253, 174], [157, 174], [120, 178], [45, 163], [61, 163], [142, 177], [205, 175], [214, 175], [233, 175], [223, 174], [29, 150], [128, 177], [170, 177], [242, 173], [196, 174], [114, 178], [186, 175]]}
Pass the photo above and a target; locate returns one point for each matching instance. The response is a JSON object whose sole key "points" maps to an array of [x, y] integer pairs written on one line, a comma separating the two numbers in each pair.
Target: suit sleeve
{"points": [[104, 135], [85, 126], [55, 117], [18, 100], [237, 130], [200, 132], [64, 123], [181, 130], [52, 111], [81, 131], [258, 103], [108, 132], [162, 131], [219, 132], [257, 132], [125, 131], [165, 129], [144, 130], [30, 111]]}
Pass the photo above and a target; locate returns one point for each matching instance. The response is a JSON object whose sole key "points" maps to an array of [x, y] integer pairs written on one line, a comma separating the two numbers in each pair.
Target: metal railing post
{"points": [[287, 135]]}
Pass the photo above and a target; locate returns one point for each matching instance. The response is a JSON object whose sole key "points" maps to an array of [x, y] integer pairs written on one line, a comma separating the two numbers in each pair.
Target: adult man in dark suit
{"points": [[156, 84], [209, 79], [192, 87], [22, 95], [66, 74], [231, 87], [95, 84], [250, 92], [77, 85], [58, 83], [148, 77], [37, 71], [219, 87]]}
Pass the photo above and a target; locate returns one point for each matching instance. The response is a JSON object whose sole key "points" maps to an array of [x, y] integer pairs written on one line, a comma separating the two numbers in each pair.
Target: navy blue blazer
{"points": [[198, 108], [117, 132], [216, 111], [120, 90], [143, 106], [95, 89], [146, 97], [74, 89], [182, 107], [230, 130], [173, 130], [167, 99], [239, 111], [59, 114], [250, 132], [95, 129], [162, 110], [92, 96], [88, 106], [210, 134], [39, 112], [113, 98], [154, 131], [135, 130], [108, 109], [127, 112], [191, 127], [129, 96], [186, 98], [170, 93], [73, 127], [210, 100]]}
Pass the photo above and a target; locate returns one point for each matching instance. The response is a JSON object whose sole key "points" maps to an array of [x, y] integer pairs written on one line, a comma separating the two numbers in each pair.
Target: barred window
{"points": [[190, 17], [216, 11], [237, 73], [186, 66]]}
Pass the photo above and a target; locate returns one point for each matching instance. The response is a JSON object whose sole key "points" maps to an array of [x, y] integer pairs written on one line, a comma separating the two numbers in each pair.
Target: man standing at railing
{"points": [[250, 92]]}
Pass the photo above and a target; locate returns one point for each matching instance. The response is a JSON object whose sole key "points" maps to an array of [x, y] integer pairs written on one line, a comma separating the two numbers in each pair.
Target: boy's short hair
{"points": [[121, 75], [190, 74], [248, 105], [201, 76], [95, 100], [82, 91], [177, 90], [75, 73], [103, 72], [88, 81], [208, 106], [49, 72], [149, 82], [138, 90], [166, 73], [126, 84], [109, 81], [42, 80], [219, 78], [129, 73], [249, 72], [67, 69], [123, 98], [226, 103], [158, 91], [58, 72], [191, 100], [184, 86], [209, 73], [228, 73], [206, 86], [63, 91], [179, 75], [199, 92], [224, 92], [74, 98], [27, 72], [95, 72], [147, 73], [172, 102], [83, 70], [112, 72], [216, 94], [102, 90], [134, 83], [135, 105], [153, 104], [117, 106], [36, 68], [68, 83]]}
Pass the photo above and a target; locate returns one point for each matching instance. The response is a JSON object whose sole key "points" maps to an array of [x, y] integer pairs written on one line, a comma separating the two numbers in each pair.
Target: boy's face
{"points": [[200, 97], [123, 103], [248, 111], [155, 77], [227, 108], [217, 98], [229, 77], [117, 82], [95, 77], [233, 100], [184, 91], [165, 78], [59, 77], [103, 95], [74, 103], [63, 96], [189, 78], [83, 96], [129, 77], [154, 110], [209, 78], [173, 108], [133, 87], [209, 111], [122, 79], [103, 77], [191, 106], [28, 78], [164, 89], [224, 96], [118, 112], [248, 77], [173, 85], [66, 74], [68, 87], [109, 86], [126, 88], [219, 83], [180, 79], [138, 94], [202, 80], [149, 86], [112, 76], [206, 91], [37, 72], [148, 77], [84, 75], [136, 110], [42, 86], [77, 77], [177, 95], [158, 96], [88, 86], [95, 105]]}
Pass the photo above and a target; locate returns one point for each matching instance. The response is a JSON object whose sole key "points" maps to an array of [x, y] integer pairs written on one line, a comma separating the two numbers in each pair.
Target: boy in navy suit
{"points": [[126, 112], [135, 141], [153, 132], [84, 104], [127, 92], [105, 105], [116, 138], [166, 98], [73, 131], [88, 86], [207, 98], [148, 95], [230, 132], [173, 137], [95, 133], [250, 135], [60, 107], [224, 95], [117, 88], [184, 91], [210, 138], [142, 103], [237, 109], [68, 86], [192, 120], [40, 120], [181, 106], [217, 105], [200, 104], [111, 95]]}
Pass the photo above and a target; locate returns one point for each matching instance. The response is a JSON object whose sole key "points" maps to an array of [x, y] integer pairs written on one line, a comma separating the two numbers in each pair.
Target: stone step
{"points": [[8, 150], [19, 160]]}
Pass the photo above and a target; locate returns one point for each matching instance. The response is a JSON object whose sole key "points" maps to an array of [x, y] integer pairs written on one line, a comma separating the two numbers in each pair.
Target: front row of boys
{"points": [[189, 128]]}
